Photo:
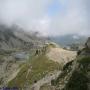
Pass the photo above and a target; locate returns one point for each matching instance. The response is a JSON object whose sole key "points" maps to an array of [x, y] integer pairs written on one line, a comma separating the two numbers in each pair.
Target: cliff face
{"points": [[75, 74]]}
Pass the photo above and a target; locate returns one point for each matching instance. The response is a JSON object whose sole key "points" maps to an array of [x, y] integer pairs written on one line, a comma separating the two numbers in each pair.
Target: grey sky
{"points": [[50, 17]]}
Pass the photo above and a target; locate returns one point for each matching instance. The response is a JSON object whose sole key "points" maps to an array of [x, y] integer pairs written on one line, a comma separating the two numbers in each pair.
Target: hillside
{"points": [[15, 37], [75, 74], [38, 69], [27, 62], [33, 70], [16, 46]]}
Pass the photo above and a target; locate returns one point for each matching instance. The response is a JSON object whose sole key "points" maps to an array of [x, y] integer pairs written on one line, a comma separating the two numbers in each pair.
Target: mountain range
{"points": [[16, 37], [69, 39]]}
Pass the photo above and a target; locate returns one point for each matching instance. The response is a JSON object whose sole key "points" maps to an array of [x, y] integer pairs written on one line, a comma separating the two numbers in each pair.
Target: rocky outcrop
{"points": [[75, 74]]}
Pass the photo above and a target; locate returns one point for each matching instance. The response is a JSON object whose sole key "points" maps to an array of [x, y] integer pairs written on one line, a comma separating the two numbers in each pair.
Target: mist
{"points": [[49, 17]]}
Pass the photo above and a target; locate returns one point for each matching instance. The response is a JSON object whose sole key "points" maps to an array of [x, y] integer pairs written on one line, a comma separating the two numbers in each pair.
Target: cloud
{"points": [[15, 10], [73, 20], [42, 25], [68, 17]]}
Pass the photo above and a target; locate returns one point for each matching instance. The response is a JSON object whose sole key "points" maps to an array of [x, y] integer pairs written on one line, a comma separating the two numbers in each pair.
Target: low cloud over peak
{"points": [[49, 17]]}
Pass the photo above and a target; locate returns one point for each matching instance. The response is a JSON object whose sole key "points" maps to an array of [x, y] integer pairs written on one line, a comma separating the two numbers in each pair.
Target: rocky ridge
{"points": [[75, 74]]}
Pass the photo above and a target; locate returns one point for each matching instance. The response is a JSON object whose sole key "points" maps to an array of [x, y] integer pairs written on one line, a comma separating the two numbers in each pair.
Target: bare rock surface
{"points": [[60, 55]]}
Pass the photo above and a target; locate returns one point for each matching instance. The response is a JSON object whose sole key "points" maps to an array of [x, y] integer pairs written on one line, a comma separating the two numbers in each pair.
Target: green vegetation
{"points": [[79, 77], [78, 81], [86, 49], [40, 66], [84, 60]]}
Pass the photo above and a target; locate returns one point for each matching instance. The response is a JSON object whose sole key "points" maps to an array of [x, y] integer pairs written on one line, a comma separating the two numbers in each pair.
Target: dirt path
{"points": [[60, 55]]}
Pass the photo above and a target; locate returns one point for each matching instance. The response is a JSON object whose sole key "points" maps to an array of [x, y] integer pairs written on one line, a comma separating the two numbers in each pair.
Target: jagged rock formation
{"points": [[75, 74]]}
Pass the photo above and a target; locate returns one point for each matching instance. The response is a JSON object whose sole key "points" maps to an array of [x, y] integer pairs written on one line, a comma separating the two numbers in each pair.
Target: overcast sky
{"points": [[49, 17]]}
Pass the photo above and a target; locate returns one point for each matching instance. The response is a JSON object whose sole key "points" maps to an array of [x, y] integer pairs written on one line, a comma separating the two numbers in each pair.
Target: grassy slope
{"points": [[41, 65]]}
